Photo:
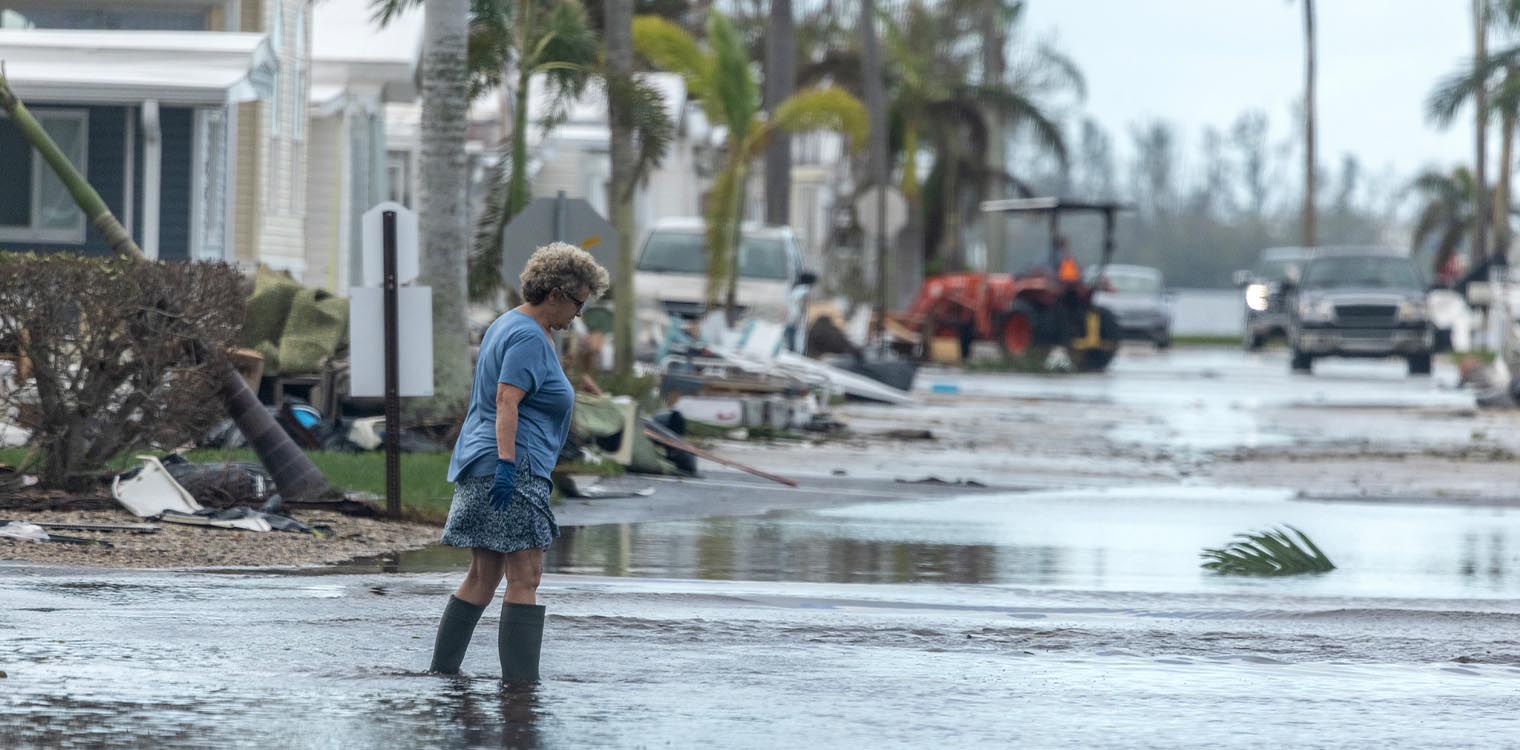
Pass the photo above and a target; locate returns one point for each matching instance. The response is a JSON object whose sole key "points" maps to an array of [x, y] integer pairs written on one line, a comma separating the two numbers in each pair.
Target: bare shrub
{"points": [[124, 354]]}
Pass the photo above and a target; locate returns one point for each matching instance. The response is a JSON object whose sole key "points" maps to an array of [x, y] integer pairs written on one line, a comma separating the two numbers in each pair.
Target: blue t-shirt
{"points": [[515, 351]]}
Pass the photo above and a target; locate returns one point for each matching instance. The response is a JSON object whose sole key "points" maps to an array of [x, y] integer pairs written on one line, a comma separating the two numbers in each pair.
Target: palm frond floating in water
{"points": [[1268, 553]]}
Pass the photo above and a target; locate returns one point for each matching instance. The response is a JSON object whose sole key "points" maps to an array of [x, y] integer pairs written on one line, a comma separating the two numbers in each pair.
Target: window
{"points": [[398, 177], [34, 204], [274, 110]]}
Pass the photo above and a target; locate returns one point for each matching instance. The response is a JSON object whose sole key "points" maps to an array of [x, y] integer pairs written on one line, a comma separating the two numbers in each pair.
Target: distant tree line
{"points": [[1205, 210]]}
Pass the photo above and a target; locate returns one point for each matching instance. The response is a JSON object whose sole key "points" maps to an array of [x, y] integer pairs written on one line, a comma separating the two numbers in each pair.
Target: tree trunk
{"points": [[1309, 155], [876, 108], [731, 298], [1501, 199], [1480, 173], [994, 226], [618, 41], [293, 472], [780, 82], [445, 213], [517, 194]]}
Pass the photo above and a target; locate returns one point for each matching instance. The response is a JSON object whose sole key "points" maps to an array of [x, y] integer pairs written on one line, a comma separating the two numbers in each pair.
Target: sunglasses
{"points": [[580, 304]]}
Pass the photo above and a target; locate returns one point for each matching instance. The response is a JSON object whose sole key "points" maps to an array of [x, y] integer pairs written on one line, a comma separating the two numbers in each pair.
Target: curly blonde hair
{"points": [[560, 265]]}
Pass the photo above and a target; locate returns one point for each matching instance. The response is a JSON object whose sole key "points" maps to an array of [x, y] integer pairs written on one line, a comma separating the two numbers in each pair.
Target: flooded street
{"points": [[1061, 606]]}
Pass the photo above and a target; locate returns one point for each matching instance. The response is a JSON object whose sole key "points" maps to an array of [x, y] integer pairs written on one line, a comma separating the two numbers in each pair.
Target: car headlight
{"points": [[1320, 310], [1256, 297], [1411, 311]]}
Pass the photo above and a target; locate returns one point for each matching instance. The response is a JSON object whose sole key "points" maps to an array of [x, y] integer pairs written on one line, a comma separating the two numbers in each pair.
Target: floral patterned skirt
{"points": [[527, 523]]}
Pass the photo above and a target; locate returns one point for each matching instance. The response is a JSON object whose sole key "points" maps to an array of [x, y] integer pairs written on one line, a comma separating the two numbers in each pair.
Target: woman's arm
{"points": [[507, 398]]}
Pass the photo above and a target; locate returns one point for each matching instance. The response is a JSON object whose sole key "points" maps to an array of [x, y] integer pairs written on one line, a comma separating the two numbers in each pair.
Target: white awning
{"points": [[108, 67]]}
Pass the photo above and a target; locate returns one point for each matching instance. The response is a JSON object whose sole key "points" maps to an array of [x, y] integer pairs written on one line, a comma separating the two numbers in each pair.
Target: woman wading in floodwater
{"points": [[518, 419]]}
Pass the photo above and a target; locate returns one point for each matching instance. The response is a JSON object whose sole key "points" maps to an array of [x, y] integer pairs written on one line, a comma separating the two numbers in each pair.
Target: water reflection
{"points": [[784, 548], [1122, 539]]}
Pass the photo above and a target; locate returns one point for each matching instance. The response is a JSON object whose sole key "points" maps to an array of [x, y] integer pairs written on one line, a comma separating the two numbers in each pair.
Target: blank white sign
{"points": [[373, 247], [414, 338]]}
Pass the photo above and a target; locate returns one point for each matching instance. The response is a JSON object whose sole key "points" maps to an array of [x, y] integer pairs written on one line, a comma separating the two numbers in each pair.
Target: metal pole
{"points": [[392, 373]]}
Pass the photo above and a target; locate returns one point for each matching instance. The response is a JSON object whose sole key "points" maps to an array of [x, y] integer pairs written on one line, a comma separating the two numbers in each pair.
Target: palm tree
{"points": [[1447, 213], [780, 82], [640, 136], [939, 109], [1500, 75], [1495, 80], [1309, 156], [444, 219], [721, 78], [937, 106], [293, 472]]}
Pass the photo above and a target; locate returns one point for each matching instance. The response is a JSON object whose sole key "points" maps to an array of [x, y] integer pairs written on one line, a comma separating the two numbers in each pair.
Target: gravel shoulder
{"points": [[179, 546]]}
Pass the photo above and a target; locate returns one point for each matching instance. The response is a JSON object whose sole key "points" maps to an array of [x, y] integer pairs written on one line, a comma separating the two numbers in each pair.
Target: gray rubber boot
{"points": [[519, 640], [454, 631]]}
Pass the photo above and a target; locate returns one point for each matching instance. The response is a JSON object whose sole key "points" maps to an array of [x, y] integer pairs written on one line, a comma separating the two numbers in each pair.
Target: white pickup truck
{"points": [[671, 272]]}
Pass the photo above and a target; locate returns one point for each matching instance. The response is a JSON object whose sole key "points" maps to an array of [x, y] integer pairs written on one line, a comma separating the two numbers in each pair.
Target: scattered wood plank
{"points": [[136, 528], [682, 445]]}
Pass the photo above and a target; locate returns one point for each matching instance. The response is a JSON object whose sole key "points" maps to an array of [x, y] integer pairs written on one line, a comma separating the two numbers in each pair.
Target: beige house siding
{"points": [[248, 196], [324, 203], [272, 148]]}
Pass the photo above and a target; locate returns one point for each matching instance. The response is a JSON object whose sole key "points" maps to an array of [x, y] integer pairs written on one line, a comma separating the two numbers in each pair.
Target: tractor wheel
{"points": [[1016, 333], [1096, 359]]}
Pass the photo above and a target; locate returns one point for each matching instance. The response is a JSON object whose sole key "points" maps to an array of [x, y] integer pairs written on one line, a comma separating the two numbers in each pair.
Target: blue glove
{"points": [[503, 484]]}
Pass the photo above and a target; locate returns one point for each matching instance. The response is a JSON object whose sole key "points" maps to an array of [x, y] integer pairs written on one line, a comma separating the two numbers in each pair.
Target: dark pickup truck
{"points": [[1358, 302]]}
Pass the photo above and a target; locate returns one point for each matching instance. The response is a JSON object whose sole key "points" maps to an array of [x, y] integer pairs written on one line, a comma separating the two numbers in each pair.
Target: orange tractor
{"points": [[1028, 313]]}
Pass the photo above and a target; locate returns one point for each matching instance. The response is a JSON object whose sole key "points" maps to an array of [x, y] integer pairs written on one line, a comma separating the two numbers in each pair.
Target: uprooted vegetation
{"points": [[111, 355], [1268, 553]]}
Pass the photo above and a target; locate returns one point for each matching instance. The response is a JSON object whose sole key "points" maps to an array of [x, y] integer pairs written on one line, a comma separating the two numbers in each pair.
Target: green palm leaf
{"points": [[828, 108], [668, 47], [1270, 553]]}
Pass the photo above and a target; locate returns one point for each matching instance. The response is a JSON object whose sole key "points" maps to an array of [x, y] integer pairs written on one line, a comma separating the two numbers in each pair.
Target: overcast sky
{"points": [[1202, 62]]}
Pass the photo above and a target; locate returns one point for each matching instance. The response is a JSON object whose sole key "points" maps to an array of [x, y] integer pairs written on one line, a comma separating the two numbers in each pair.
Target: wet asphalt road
{"points": [[1069, 615]]}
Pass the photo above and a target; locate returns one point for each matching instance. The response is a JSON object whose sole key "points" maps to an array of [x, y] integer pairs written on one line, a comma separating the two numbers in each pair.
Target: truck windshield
{"points": [[686, 252], [1371, 271]]}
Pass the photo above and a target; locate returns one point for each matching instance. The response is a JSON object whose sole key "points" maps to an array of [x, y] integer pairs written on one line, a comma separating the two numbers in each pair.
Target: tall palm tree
{"points": [[444, 219], [640, 136], [780, 82], [720, 76], [1308, 220], [1447, 213], [939, 107], [293, 472]]}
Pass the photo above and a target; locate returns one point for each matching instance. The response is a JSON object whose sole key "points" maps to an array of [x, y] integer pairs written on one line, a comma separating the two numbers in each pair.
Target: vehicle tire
{"points": [[1302, 362], [1254, 341], [1419, 364], [1442, 340], [1163, 340], [1016, 330], [1095, 360]]}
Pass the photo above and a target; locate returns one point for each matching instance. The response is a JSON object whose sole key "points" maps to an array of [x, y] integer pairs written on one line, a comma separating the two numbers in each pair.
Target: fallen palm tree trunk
{"points": [[293, 472]]}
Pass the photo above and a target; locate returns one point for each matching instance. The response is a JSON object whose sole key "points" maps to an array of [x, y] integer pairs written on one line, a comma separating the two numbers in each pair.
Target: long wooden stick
{"points": [[682, 445]]}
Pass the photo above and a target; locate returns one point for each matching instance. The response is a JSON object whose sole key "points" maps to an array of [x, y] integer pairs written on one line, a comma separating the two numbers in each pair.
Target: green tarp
{"points": [[295, 328]]}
